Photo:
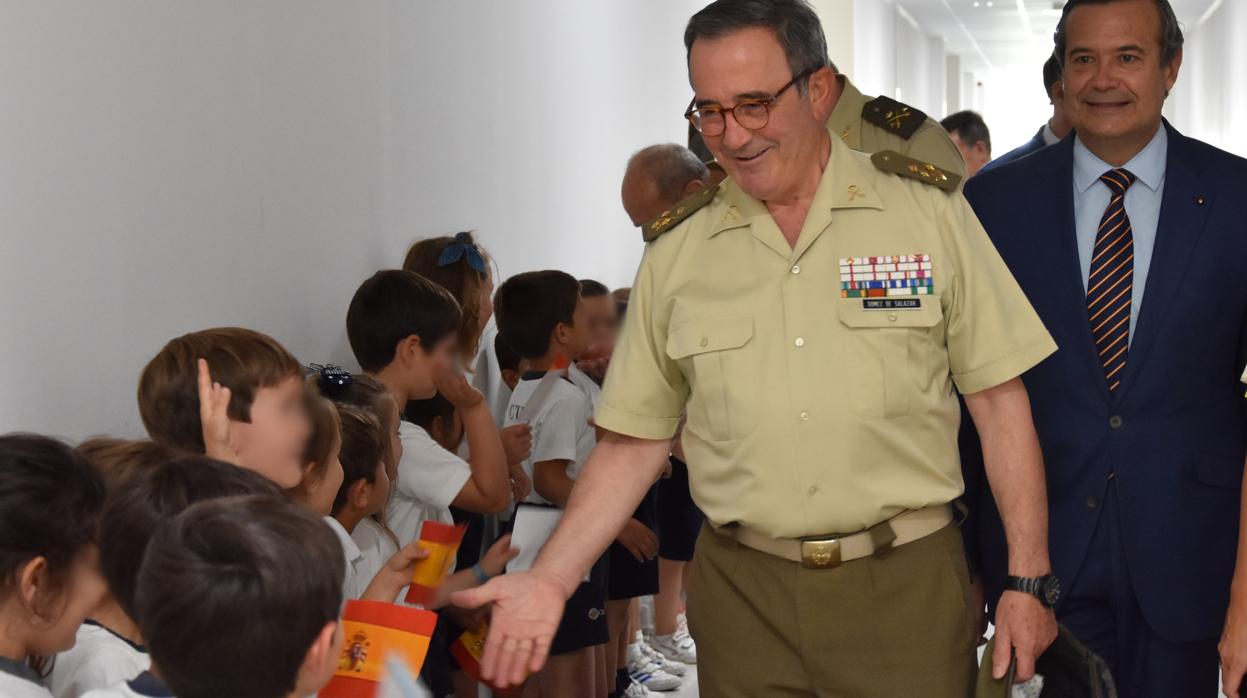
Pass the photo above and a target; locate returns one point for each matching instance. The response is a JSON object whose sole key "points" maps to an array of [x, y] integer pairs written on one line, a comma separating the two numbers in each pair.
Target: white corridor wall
{"points": [[170, 165]]}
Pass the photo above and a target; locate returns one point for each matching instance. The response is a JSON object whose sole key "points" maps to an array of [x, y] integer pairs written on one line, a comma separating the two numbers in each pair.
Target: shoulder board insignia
{"points": [[894, 162], [893, 117], [673, 216]]}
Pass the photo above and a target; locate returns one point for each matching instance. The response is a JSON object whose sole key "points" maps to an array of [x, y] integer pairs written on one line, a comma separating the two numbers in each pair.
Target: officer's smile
{"points": [[752, 158]]}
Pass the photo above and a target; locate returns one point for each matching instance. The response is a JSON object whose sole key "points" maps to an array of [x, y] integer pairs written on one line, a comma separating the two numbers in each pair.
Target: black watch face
{"points": [[1051, 591]]}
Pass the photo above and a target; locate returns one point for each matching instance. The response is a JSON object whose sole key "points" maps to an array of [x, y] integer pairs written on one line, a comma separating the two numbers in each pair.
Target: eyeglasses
{"points": [[752, 114]]}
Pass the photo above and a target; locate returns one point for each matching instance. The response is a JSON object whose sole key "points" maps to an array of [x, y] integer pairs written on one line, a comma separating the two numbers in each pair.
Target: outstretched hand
{"points": [[527, 607]]}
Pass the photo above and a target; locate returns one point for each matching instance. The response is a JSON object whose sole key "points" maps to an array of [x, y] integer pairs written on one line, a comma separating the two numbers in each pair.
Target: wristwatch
{"points": [[1046, 588]]}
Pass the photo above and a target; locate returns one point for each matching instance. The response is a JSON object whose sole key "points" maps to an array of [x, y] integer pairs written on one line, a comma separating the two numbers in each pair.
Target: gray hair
{"points": [[1171, 39], [795, 23], [670, 167]]}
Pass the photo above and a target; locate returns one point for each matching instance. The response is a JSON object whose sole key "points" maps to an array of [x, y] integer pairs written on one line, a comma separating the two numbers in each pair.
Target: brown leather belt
{"points": [[833, 551]]}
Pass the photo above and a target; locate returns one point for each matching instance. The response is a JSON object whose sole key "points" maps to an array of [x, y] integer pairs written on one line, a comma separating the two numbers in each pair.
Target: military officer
{"points": [[812, 314]]}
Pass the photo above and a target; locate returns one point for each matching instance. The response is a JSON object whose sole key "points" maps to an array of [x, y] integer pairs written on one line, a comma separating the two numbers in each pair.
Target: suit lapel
{"points": [[1052, 209], [1178, 232]]}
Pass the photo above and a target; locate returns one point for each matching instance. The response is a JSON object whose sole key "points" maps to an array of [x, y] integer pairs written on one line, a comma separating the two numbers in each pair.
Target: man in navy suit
{"points": [[1131, 242], [1051, 133]]}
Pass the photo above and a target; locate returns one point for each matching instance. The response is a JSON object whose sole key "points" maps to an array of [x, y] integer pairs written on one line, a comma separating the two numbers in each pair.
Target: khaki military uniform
{"points": [[819, 385], [873, 125]]}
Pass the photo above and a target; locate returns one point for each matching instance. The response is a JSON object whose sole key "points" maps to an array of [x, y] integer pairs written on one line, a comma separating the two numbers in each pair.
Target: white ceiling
{"points": [[996, 33]]}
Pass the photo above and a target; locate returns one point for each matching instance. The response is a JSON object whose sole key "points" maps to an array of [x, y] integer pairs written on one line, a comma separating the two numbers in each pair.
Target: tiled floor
{"points": [[689, 689]]}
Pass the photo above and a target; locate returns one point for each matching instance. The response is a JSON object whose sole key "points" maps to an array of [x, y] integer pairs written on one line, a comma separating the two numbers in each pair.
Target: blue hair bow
{"points": [[460, 248], [332, 378]]}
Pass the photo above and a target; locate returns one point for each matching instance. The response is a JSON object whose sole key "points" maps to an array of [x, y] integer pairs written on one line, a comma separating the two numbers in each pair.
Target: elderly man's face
{"points": [[1115, 83], [770, 162]]}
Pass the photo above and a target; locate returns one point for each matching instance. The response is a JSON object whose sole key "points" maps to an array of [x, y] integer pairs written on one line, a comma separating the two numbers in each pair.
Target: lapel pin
{"points": [[1199, 200]]}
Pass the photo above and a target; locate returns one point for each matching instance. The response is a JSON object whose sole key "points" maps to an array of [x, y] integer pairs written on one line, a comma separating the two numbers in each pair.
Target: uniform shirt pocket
{"points": [[712, 353], [887, 355]]}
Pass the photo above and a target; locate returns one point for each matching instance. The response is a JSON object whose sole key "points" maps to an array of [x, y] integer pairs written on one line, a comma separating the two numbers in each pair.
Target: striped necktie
{"points": [[1112, 279]]}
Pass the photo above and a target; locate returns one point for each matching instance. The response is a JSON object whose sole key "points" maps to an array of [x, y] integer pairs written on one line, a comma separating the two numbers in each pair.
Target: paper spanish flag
{"points": [[467, 650], [442, 542], [372, 633]]}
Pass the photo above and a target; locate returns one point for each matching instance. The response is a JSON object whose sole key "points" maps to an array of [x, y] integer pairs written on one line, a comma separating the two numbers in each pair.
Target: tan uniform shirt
{"points": [[812, 411], [930, 143]]}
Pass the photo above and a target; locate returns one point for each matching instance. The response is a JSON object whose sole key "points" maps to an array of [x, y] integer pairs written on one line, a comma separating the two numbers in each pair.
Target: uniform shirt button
{"points": [[800, 341], [813, 490], [805, 416], [796, 269], [892, 317], [705, 341], [1115, 421], [1092, 502]]}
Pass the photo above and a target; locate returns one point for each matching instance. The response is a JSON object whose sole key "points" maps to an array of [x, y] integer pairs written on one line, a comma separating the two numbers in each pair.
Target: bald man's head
{"points": [[658, 177]]}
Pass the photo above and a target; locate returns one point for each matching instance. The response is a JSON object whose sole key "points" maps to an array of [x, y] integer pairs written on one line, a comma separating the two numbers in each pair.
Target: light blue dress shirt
{"points": [[1143, 198]]}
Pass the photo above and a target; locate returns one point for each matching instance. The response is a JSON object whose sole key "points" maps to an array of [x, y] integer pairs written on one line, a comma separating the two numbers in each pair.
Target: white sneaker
{"points": [[648, 673], [677, 647], [636, 690], [673, 668]]}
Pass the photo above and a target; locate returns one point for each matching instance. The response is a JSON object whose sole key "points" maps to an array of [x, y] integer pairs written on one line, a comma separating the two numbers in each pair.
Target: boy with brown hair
{"points": [[239, 388]]}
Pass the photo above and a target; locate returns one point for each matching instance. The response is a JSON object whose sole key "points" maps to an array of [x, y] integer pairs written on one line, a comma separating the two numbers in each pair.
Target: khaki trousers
{"points": [[897, 625]]}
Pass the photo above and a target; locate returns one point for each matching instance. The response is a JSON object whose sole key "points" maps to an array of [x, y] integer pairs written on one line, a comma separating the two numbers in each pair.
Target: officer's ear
{"points": [[692, 186], [818, 88]]}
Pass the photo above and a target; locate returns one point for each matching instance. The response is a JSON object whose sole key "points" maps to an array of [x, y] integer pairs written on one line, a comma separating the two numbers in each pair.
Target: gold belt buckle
{"points": [[820, 554]]}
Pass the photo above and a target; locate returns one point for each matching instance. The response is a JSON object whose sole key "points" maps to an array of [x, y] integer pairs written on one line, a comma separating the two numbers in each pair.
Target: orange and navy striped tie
{"points": [[1111, 281]]}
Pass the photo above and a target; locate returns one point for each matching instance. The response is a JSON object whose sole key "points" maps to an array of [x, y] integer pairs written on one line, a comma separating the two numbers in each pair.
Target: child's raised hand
{"points": [[494, 561], [455, 388], [214, 416], [517, 442]]}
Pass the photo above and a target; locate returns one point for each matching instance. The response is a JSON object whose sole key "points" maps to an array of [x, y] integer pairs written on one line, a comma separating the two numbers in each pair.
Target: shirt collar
{"points": [[845, 184], [348, 543], [1049, 136], [136, 647], [18, 669], [148, 684], [1148, 165]]}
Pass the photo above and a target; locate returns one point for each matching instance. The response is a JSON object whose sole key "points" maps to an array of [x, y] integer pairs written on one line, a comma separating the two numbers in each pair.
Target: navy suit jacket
{"points": [[1017, 153], [1173, 434]]}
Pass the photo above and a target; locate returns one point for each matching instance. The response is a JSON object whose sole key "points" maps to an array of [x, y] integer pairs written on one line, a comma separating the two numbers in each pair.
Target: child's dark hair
{"points": [[147, 503], [508, 360], [593, 289], [118, 460], [393, 305], [242, 360], [325, 433], [364, 392], [363, 450], [50, 500], [422, 413], [233, 592], [466, 283], [530, 306]]}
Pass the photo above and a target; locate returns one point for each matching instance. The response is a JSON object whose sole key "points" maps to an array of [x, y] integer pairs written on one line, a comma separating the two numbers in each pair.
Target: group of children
{"points": [[214, 558]]}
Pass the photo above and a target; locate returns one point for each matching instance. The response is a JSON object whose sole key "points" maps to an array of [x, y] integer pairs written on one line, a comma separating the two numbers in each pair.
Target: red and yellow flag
{"points": [[467, 650], [373, 631], [442, 542]]}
